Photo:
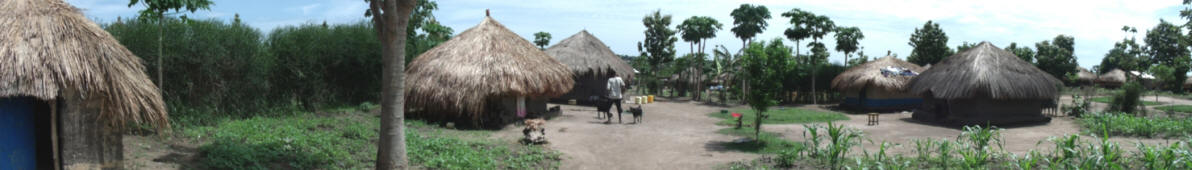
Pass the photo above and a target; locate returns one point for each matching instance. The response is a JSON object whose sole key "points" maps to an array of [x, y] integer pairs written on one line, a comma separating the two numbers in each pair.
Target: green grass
{"points": [[346, 139], [1176, 108], [1129, 125], [770, 142], [780, 116], [1108, 99]]}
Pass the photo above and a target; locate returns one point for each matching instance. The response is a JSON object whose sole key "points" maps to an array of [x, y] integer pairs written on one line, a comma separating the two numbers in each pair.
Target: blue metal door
{"points": [[17, 142]]}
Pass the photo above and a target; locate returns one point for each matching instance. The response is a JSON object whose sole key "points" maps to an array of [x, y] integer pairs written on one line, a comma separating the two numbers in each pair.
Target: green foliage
{"points": [[697, 29], [1056, 57], [1128, 99], [1129, 125], [338, 64], [308, 141], [749, 20], [966, 45], [541, 39], [1109, 99], [848, 40], [762, 65], [1125, 55], [1024, 53], [766, 142], [658, 48], [1176, 108], [157, 8], [801, 26], [930, 44], [1079, 106], [782, 116]]}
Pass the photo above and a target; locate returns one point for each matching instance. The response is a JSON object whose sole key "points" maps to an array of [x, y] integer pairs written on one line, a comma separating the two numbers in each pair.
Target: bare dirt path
{"points": [[673, 135]]}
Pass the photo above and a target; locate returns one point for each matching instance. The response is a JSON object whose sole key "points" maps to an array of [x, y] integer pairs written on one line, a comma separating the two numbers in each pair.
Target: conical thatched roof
{"points": [[1187, 83], [585, 54], [870, 73], [48, 46], [484, 61], [985, 71], [1084, 75], [1115, 76]]}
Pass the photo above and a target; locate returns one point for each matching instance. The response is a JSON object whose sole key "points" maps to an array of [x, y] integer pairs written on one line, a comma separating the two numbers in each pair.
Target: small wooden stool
{"points": [[872, 119]]}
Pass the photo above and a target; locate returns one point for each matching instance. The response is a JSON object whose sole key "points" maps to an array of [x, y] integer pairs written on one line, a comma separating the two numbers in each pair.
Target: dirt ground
{"points": [[672, 135], [158, 152]]}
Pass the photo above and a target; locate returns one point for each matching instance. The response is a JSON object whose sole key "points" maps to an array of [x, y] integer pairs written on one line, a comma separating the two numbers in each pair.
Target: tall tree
{"points": [[1168, 46], [391, 19], [761, 64], [800, 26], [157, 9], [848, 40], [697, 30], [749, 20], [930, 44], [659, 45], [820, 26], [1056, 57], [542, 39], [1024, 53]]}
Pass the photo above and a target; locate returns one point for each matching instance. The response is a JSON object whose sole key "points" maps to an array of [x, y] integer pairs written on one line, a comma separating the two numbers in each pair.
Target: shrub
{"points": [[1126, 100]]}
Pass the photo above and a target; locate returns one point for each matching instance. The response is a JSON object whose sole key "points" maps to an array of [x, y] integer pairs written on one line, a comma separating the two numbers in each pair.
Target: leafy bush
{"points": [[1079, 106], [1126, 100]]}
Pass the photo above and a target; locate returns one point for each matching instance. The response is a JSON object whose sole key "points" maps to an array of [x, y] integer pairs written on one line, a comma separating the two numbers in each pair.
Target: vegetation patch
{"points": [[1176, 108], [1108, 99], [347, 140], [780, 116], [1128, 125], [768, 142]]}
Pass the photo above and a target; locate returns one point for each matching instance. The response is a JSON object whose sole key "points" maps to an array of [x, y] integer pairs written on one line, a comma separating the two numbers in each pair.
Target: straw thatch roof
{"points": [[870, 74], [585, 54], [48, 47], [985, 71], [1187, 83], [1115, 76], [484, 61], [1084, 75]]}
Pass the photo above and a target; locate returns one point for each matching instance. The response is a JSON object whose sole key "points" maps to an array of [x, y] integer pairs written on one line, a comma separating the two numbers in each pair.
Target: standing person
{"points": [[616, 86]]}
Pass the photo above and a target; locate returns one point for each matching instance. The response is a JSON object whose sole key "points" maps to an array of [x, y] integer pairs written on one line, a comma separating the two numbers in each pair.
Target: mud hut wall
{"points": [[982, 111], [84, 141]]}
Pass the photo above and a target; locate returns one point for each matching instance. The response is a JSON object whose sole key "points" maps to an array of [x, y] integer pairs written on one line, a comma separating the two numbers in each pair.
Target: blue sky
{"points": [[887, 24]]}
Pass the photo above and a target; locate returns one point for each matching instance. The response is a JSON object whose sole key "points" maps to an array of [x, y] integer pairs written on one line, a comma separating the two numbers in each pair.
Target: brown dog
{"points": [[535, 131]]}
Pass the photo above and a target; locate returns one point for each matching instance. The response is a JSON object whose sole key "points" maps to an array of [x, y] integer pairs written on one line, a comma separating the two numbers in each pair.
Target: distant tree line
{"points": [[218, 67]]}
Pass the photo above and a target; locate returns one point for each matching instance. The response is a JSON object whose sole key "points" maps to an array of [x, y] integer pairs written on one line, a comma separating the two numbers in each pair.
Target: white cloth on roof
{"points": [[897, 71]]}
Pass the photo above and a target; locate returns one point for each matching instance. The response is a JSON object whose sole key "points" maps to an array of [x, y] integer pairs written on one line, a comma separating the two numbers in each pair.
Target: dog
{"points": [[637, 113], [535, 131], [604, 105]]}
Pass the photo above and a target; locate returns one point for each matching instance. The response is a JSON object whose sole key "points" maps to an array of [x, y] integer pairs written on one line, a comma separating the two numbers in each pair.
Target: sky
{"points": [[887, 24]]}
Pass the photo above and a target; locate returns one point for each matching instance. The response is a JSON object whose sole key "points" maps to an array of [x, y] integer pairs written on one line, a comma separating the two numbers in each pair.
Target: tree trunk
{"points": [[391, 30], [160, 54]]}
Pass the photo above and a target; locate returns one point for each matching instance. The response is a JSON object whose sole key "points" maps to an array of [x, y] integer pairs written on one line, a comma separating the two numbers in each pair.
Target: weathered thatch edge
{"points": [[586, 54], [47, 46], [985, 71], [870, 74], [484, 62]]}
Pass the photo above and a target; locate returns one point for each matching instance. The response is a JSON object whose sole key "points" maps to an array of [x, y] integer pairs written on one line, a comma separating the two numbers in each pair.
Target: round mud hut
{"points": [[1084, 76], [984, 85], [878, 85], [1112, 79], [592, 64], [67, 88], [485, 76]]}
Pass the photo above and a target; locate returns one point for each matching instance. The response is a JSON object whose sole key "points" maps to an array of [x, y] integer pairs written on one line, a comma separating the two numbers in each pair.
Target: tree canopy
{"points": [[930, 44], [848, 40], [1056, 56], [541, 39], [659, 45], [749, 20]]}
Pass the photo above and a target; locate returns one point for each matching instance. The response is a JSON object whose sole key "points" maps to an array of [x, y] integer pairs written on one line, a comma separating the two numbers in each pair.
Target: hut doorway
{"points": [[26, 131]]}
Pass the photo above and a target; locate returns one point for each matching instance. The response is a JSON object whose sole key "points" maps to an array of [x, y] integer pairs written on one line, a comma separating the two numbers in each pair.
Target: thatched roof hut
{"points": [[1113, 78], [984, 84], [483, 68], [867, 87], [59, 70], [591, 62], [1084, 76]]}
